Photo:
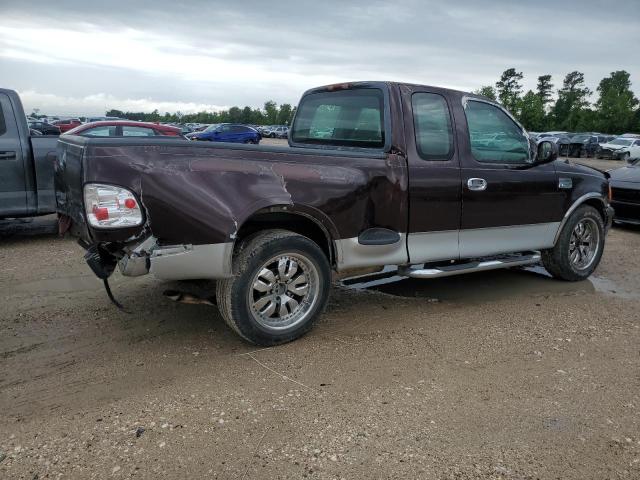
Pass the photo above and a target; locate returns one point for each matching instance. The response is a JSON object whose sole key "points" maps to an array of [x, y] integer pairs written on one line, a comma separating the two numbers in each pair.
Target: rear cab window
{"points": [[432, 125], [345, 118]]}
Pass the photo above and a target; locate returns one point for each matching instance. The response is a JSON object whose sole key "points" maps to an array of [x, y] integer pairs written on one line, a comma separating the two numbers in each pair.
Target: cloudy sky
{"points": [[82, 57]]}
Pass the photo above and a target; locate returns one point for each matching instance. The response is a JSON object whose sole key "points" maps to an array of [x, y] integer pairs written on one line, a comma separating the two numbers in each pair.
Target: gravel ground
{"points": [[501, 375]]}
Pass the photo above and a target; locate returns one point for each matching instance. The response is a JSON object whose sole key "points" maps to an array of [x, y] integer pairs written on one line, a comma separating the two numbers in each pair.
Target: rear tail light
{"points": [[111, 207]]}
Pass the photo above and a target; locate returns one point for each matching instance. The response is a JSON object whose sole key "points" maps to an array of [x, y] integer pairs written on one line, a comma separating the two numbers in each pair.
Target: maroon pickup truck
{"points": [[435, 181]]}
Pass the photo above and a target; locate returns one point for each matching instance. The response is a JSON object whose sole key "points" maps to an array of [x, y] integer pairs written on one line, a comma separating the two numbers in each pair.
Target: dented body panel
{"points": [[202, 194]]}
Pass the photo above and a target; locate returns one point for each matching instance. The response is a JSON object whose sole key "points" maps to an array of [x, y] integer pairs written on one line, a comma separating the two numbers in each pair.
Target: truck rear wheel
{"points": [[280, 285], [579, 248]]}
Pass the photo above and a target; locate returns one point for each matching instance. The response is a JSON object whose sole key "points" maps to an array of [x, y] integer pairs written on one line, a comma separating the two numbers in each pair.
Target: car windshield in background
{"points": [[579, 138], [352, 118], [621, 141]]}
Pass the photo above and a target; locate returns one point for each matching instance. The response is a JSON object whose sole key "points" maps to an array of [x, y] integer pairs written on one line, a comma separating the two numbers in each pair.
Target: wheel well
{"points": [[295, 222], [598, 205]]}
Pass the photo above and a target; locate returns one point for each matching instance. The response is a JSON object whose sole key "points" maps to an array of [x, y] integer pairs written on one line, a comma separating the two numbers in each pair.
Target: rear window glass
{"points": [[352, 118], [434, 138], [3, 125]]}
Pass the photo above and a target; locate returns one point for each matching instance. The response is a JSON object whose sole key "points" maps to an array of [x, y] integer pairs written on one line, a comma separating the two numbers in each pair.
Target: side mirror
{"points": [[547, 152]]}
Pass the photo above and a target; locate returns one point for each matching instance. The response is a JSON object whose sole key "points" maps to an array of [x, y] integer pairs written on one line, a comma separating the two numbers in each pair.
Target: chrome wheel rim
{"points": [[584, 243], [284, 291]]}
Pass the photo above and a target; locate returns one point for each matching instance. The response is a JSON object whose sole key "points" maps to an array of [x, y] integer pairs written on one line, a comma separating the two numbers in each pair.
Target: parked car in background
{"points": [[227, 132], [26, 163], [621, 148], [625, 192], [276, 131], [66, 125], [124, 128], [586, 144], [44, 128]]}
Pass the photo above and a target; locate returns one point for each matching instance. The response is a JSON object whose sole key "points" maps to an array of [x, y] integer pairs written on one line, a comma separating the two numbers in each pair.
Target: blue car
{"points": [[227, 132]]}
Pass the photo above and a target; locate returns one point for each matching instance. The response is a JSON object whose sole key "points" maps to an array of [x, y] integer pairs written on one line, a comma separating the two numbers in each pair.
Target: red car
{"points": [[124, 128], [66, 125]]}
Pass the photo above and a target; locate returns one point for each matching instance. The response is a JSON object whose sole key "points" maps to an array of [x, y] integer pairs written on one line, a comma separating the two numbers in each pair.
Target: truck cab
{"points": [[26, 163]]}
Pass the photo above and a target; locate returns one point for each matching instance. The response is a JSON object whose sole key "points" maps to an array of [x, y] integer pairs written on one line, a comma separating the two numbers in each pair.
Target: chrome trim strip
{"points": [[572, 209], [352, 254]]}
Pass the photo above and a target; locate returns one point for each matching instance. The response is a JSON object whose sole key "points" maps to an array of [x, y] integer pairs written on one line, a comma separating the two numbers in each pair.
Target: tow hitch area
{"points": [[102, 264]]}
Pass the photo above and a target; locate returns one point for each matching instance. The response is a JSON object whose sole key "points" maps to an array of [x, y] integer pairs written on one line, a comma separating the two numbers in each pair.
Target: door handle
{"points": [[477, 184], [7, 155]]}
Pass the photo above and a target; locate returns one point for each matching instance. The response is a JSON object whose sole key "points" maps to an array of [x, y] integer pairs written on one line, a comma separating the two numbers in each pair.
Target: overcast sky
{"points": [[82, 57]]}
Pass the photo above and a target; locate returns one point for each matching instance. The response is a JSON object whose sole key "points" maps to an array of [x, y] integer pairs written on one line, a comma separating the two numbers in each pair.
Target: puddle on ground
{"points": [[482, 286]]}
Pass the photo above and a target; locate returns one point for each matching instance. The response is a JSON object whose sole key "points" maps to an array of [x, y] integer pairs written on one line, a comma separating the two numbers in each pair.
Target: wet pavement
{"points": [[502, 374]]}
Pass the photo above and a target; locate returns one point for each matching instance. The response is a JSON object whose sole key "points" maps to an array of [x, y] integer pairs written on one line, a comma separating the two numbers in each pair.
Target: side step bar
{"points": [[518, 260]]}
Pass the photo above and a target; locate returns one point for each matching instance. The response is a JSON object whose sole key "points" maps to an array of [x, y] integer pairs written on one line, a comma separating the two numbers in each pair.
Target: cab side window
{"points": [[130, 131], [102, 131], [432, 125], [494, 136]]}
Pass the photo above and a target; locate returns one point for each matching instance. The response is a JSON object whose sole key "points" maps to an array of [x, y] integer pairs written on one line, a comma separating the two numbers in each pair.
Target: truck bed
{"points": [[201, 193]]}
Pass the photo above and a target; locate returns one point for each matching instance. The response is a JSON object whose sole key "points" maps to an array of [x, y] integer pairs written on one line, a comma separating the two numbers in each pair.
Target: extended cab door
{"points": [[508, 203], [434, 175], [13, 195]]}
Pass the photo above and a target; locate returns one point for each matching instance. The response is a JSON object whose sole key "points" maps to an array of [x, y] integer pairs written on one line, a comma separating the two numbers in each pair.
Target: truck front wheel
{"points": [[280, 286], [579, 247]]}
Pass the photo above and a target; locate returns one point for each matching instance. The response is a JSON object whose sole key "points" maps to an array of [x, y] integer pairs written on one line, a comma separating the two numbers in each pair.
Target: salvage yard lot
{"points": [[506, 374]]}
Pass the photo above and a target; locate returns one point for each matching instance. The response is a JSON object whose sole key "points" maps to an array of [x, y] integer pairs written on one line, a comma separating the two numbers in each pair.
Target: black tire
{"points": [[557, 261], [233, 294]]}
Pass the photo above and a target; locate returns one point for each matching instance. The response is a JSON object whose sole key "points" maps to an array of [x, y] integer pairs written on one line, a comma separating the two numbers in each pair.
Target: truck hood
{"points": [[567, 166], [612, 146], [629, 174]]}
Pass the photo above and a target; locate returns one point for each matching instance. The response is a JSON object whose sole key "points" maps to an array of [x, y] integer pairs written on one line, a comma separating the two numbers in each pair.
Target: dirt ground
{"points": [[503, 375]]}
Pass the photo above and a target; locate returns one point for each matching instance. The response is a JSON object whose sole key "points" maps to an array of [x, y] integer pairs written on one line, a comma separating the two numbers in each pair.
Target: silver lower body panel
{"points": [[179, 262]]}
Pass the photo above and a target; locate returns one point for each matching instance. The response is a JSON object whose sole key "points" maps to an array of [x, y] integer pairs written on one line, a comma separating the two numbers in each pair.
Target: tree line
{"points": [[616, 109], [270, 114]]}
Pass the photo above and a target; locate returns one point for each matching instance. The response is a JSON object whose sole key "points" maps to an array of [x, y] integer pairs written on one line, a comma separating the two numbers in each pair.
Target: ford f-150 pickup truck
{"points": [[26, 163], [434, 181]]}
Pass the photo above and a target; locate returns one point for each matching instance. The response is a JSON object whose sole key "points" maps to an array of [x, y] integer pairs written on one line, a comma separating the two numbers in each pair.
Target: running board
{"points": [[479, 266]]}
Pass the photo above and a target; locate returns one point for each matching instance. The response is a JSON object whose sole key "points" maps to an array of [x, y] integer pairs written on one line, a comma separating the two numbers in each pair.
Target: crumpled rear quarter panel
{"points": [[198, 194]]}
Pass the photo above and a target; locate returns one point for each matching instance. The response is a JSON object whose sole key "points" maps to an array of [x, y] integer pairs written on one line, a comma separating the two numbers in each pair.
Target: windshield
{"points": [[212, 128], [580, 138], [621, 141]]}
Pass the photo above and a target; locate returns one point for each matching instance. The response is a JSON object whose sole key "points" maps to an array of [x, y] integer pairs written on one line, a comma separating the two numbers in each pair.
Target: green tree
{"points": [[247, 115], [544, 88], [532, 114], [271, 112], [572, 102], [616, 105], [115, 113], [509, 89], [234, 115], [487, 91], [284, 114]]}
